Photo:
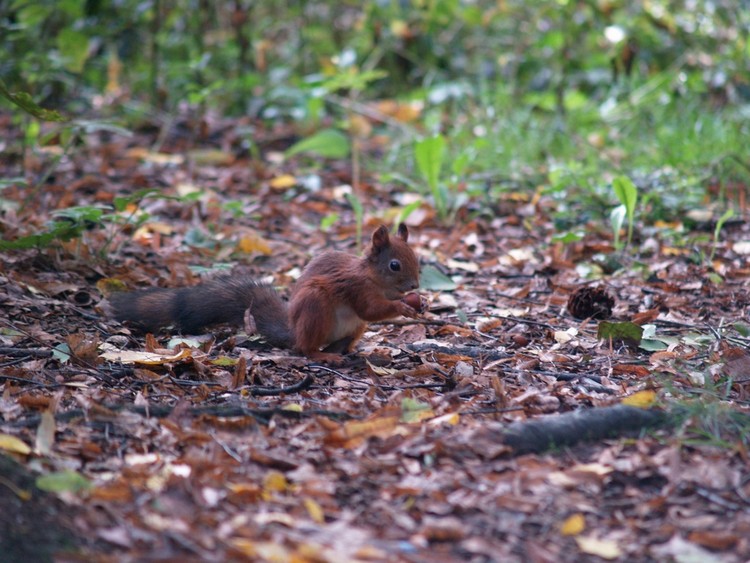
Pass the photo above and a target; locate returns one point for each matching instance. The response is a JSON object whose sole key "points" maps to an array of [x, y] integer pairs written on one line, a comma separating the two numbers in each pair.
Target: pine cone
{"points": [[591, 302]]}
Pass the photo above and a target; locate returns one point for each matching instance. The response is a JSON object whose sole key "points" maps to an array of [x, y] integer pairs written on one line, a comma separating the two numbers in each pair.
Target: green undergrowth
{"points": [[680, 151]]}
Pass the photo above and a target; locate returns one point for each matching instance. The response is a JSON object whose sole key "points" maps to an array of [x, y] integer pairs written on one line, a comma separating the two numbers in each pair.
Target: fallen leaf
{"points": [[283, 182], [606, 549], [113, 354], [314, 510], [641, 399], [573, 525], [253, 243], [275, 482], [12, 444], [415, 411], [45, 433], [62, 481], [210, 157], [714, 540]]}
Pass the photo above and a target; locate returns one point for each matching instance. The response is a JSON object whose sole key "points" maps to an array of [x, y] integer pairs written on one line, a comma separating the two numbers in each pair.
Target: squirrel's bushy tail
{"points": [[191, 309]]}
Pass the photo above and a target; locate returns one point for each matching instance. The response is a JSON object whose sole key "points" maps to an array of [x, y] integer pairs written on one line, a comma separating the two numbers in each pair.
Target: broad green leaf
{"points": [[728, 214], [627, 332], [74, 48], [328, 143], [61, 353], [24, 243], [429, 154], [433, 279], [626, 192], [63, 481], [651, 345], [568, 237], [328, 221], [414, 411]]}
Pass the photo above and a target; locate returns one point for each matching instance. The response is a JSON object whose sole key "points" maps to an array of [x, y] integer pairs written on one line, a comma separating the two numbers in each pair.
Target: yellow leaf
{"points": [[293, 407], [283, 182], [359, 126], [661, 224], [573, 525], [210, 157], [155, 157], [109, 285], [452, 418], [159, 227], [404, 112], [641, 399], [673, 251], [361, 429], [114, 68], [275, 482], [253, 243], [400, 29], [12, 444], [606, 549], [314, 510]]}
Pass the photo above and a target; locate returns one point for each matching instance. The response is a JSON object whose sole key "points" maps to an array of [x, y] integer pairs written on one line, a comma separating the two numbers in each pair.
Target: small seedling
{"points": [[728, 214], [627, 193]]}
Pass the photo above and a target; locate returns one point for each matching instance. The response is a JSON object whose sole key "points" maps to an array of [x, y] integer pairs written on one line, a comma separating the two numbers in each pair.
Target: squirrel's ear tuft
{"points": [[380, 238], [403, 232]]}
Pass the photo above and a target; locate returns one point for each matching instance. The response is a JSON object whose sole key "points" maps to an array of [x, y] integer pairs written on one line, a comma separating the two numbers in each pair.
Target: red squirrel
{"points": [[328, 311]]}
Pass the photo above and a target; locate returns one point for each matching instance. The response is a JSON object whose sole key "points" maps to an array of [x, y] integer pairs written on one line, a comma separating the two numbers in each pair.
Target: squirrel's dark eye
{"points": [[395, 266]]}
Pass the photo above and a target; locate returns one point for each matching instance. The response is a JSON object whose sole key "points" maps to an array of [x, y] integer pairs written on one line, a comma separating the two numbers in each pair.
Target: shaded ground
{"points": [[34, 525], [395, 455]]}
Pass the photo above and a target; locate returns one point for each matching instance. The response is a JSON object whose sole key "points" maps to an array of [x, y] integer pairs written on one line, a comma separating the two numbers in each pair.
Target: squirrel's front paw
{"points": [[406, 310], [415, 302]]}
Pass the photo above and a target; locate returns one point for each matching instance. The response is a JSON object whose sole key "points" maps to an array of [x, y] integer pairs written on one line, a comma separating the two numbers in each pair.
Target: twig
{"points": [[24, 352], [259, 391]]}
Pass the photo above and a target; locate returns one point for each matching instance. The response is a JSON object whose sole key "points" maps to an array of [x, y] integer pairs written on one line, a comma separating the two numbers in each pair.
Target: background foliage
{"points": [[564, 95]]}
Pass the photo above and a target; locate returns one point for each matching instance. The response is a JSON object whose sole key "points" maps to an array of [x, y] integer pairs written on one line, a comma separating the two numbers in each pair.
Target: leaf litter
{"points": [[218, 447]]}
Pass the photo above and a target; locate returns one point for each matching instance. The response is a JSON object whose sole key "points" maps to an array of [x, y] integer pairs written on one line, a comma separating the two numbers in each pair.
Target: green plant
{"points": [[728, 214], [70, 224], [429, 154], [627, 194], [327, 143]]}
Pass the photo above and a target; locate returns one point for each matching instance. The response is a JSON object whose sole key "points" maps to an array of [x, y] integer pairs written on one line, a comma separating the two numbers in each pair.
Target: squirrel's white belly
{"points": [[347, 323]]}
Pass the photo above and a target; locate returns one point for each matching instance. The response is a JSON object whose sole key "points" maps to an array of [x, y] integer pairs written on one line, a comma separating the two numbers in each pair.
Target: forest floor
{"points": [[219, 448]]}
